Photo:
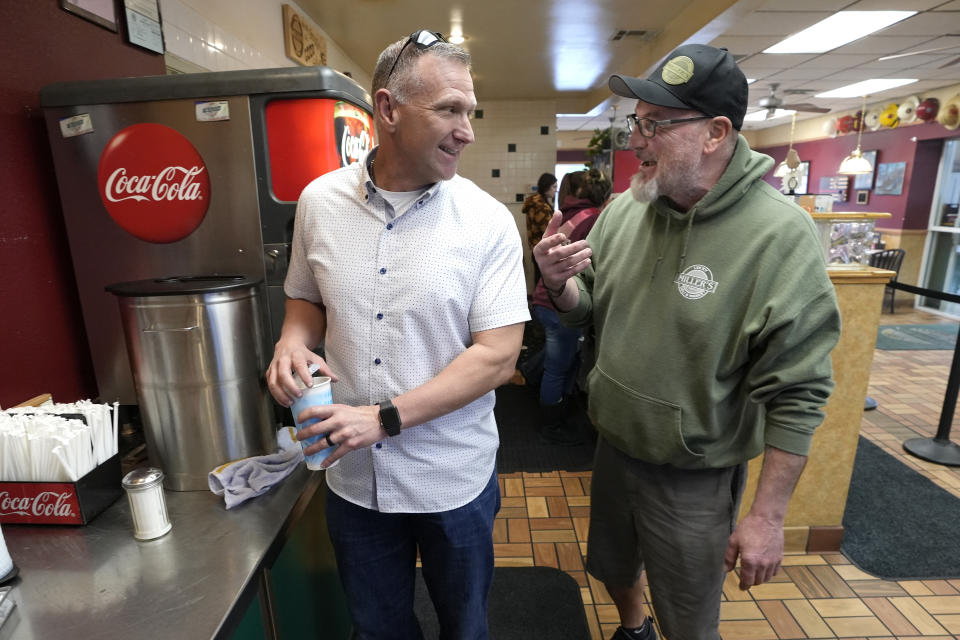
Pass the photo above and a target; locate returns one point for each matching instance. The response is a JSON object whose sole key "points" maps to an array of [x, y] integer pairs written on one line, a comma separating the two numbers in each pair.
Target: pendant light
{"points": [[855, 163], [792, 160]]}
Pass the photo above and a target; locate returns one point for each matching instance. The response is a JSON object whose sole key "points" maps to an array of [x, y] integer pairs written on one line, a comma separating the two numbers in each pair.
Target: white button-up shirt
{"points": [[403, 295]]}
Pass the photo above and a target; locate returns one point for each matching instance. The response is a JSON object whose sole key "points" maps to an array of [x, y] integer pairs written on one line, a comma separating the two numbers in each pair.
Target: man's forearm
{"points": [[778, 478], [569, 295], [484, 366], [304, 321]]}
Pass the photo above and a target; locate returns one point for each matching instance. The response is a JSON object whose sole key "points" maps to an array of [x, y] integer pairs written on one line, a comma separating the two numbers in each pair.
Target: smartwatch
{"points": [[390, 418]]}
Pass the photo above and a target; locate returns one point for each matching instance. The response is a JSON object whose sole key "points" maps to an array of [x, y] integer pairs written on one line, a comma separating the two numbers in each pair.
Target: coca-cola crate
{"points": [[61, 502]]}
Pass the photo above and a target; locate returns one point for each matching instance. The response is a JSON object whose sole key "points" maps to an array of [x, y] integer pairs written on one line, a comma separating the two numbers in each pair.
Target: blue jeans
{"points": [[560, 360], [376, 559]]}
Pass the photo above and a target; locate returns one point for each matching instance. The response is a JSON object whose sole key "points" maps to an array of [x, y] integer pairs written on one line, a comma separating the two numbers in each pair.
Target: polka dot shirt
{"points": [[402, 295]]}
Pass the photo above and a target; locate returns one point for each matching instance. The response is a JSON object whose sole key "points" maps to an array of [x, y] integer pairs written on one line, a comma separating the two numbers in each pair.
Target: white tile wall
{"points": [[505, 123], [512, 122]]}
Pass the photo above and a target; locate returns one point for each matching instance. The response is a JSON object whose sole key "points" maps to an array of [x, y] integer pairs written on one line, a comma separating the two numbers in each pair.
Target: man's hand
{"points": [[290, 356], [759, 544], [758, 539], [558, 258], [348, 427]]}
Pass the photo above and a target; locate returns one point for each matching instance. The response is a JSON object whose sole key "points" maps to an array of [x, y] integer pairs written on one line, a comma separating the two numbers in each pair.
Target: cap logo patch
{"points": [[678, 70]]}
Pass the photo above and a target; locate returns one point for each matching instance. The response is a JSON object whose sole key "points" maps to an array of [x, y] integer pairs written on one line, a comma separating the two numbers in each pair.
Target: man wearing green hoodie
{"points": [[714, 320]]}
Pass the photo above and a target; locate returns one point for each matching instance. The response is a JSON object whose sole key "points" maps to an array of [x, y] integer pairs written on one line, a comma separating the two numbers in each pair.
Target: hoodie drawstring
{"points": [[686, 241], [663, 243]]}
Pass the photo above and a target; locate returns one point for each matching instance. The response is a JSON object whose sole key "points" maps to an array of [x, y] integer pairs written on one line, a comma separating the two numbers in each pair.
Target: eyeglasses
{"points": [[648, 127], [422, 39]]}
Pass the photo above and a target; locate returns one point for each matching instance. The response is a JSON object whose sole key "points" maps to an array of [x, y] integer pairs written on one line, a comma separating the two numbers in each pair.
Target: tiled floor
{"points": [[544, 522]]}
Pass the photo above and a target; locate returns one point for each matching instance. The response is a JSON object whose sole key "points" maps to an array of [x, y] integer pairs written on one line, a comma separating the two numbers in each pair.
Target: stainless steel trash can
{"points": [[198, 356]]}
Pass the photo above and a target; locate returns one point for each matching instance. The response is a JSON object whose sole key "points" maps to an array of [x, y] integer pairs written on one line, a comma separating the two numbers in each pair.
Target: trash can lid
{"points": [[181, 285]]}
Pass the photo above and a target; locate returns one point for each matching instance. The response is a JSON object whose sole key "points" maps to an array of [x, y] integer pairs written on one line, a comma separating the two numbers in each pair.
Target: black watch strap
{"points": [[390, 418]]}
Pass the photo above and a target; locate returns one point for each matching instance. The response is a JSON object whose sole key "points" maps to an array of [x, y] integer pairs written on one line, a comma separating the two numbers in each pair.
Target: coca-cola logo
{"points": [[352, 128], [45, 504], [153, 183], [352, 147]]}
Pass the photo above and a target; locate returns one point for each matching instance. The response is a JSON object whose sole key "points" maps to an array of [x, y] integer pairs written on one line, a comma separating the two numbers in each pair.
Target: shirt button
{"points": [[379, 445], [389, 226], [383, 270], [379, 316], [377, 361]]}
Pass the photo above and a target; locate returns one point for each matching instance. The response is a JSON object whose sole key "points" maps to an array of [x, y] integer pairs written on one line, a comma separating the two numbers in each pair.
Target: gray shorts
{"points": [[675, 523]]}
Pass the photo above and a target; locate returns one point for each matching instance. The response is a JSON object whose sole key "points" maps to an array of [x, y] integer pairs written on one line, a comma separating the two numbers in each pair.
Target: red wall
{"points": [[625, 164], [43, 347], [911, 209]]}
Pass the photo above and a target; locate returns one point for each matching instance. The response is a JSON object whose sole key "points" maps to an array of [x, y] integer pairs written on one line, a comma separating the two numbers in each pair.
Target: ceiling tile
{"points": [[881, 45], [742, 45], [775, 23], [939, 75], [810, 5], [950, 6], [801, 73], [775, 60], [893, 5], [900, 65], [836, 62], [926, 24]]}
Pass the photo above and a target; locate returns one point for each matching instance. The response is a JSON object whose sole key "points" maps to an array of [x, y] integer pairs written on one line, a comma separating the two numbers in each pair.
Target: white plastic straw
{"points": [[37, 444]]}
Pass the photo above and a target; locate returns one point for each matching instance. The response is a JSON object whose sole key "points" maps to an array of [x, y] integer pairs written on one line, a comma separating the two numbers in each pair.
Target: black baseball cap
{"points": [[694, 76]]}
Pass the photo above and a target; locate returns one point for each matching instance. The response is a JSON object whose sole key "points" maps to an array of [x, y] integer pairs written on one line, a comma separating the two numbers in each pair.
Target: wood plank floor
{"points": [[544, 522]]}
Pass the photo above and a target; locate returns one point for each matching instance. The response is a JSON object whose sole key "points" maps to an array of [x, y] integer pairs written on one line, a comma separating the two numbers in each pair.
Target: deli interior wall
{"points": [[917, 145], [42, 342]]}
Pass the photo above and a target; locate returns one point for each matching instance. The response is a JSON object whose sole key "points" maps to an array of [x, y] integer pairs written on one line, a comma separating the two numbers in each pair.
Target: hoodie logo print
{"points": [[695, 282]]}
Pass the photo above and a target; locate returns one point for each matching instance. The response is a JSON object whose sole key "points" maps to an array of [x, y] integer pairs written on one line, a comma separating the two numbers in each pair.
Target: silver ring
{"points": [[329, 441]]}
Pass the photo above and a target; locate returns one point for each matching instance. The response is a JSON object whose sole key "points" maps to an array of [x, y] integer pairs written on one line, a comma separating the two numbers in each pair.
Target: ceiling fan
{"points": [[949, 63], [773, 102]]}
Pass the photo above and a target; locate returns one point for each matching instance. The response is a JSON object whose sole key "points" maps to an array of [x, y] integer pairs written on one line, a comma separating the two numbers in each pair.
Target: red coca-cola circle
{"points": [[153, 183]]}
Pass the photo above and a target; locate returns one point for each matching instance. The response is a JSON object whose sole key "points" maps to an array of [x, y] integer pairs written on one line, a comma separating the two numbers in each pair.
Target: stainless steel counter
{"points": [[97, 581]]}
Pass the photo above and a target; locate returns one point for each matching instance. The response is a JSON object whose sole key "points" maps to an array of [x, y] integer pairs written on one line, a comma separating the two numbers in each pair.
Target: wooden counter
{"points": [[814, 520]]}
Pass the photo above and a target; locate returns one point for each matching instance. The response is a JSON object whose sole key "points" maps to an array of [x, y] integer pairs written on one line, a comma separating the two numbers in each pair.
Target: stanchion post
{"points": [[940, 449]]}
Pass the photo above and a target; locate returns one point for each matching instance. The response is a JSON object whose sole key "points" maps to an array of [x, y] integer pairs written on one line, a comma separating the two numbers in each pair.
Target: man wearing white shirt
{"points": [[411, 277]]}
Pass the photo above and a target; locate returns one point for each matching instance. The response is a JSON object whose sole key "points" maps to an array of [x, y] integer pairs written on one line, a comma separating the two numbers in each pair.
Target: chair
{"points": [[889, 259]]}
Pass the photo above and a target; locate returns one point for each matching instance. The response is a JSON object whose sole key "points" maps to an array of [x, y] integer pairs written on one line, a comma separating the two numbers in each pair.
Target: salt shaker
{"points": [[148, 507]]}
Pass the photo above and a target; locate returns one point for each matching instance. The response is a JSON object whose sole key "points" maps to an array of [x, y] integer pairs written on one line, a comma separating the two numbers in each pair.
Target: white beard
{"points": [[644, 190]]}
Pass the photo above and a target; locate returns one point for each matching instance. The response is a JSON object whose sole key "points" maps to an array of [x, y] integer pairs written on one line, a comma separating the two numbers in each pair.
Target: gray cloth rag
{"points": [[240, 480]]}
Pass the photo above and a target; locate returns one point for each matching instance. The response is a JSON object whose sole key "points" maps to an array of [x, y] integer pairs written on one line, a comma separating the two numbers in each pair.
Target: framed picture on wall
{"points": [[101, 12], [890, 178], [865, 180], [143, 24], [798, 181], [863, 197]]}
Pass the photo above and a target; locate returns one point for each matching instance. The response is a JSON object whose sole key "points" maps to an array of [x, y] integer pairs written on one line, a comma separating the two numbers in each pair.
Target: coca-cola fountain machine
{"points": [[189, 175]]}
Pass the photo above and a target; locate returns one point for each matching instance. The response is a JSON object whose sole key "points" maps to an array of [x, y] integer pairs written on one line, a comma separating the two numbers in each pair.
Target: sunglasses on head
{"points": [[422, 39]]}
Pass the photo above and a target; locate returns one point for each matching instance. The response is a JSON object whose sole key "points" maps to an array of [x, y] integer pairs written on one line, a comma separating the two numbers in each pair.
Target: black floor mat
{"points": [[898, 524], [518, 419], [525, 603]]}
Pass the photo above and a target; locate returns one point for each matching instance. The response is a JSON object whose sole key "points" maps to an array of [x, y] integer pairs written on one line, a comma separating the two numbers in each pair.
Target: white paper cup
{"points": [[318, 394]]}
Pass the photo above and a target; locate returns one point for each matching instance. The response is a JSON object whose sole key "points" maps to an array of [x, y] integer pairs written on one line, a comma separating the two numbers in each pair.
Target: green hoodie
{"points": [[714, 326]]}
